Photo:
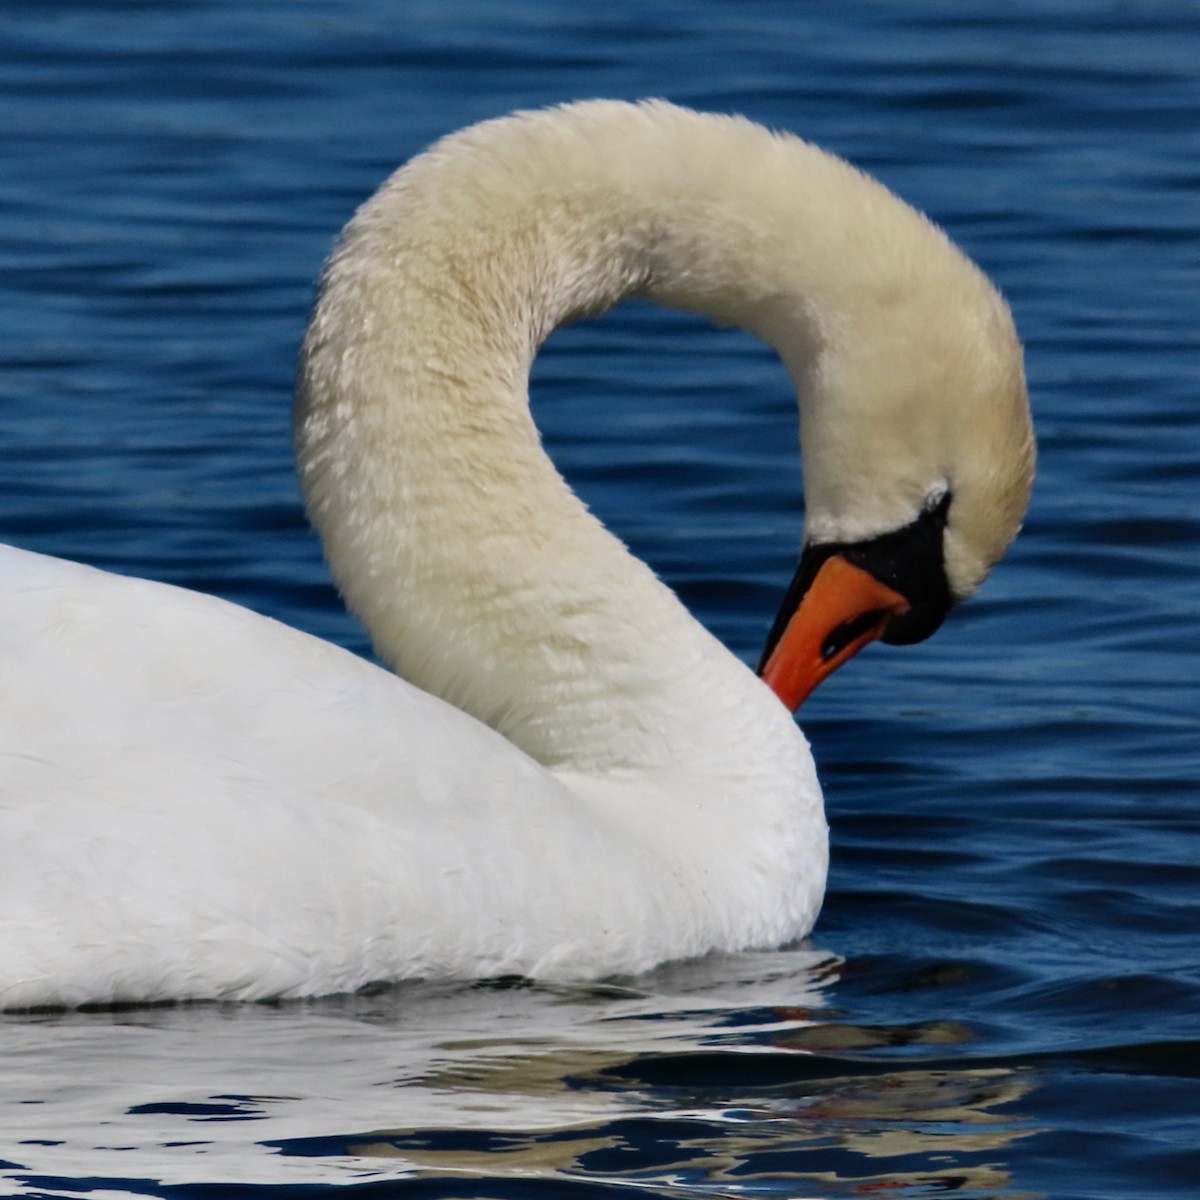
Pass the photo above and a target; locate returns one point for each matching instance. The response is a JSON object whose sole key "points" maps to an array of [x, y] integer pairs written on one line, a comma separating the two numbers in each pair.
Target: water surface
{"points": [[1000, 998]]}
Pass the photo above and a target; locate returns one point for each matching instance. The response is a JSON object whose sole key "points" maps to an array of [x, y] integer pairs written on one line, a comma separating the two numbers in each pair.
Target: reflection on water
{"points": [[826, 1131], [729, 1077]]}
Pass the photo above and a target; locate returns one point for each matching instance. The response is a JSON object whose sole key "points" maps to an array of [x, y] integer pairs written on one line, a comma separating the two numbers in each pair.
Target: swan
{"points": [[566, 776]]}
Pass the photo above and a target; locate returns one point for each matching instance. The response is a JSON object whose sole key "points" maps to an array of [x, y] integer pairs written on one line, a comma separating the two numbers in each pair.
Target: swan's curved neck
{"points": [[478, 573]]}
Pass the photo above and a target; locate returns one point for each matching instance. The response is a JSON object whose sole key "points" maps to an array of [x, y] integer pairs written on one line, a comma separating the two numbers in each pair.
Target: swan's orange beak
{"points": [[844, 608]]}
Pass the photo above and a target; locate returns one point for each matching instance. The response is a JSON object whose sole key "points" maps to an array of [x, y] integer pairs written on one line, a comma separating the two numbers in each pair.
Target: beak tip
{"points": [[842, 598]]}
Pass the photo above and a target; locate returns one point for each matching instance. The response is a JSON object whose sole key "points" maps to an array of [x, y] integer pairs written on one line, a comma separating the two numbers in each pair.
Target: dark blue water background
{"points": [[1002, 996]]}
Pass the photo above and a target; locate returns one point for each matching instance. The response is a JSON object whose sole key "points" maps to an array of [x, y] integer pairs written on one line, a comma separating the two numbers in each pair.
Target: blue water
{"points": [[1002, 997]]}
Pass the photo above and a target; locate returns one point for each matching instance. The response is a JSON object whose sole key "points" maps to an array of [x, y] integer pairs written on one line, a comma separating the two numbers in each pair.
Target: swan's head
{"points": [[918, 458]]}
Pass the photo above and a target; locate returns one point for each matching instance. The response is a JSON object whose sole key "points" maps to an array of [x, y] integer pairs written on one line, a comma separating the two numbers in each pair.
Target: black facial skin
{"points": [[907, 560]]}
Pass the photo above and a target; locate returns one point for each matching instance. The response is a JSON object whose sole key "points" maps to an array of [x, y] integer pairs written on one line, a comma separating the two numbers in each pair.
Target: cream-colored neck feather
{"points": [[478, 573]]}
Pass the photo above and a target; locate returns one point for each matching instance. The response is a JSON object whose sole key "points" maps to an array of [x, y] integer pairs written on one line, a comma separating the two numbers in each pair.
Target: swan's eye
{"points": [[937, 503], [844, 635]]}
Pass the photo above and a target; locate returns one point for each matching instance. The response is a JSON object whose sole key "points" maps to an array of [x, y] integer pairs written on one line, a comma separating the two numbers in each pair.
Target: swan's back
{"points": [[123, 678], [198, 801]]}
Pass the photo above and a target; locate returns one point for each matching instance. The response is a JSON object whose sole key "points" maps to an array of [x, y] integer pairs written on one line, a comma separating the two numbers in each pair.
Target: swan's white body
{"points": [[199, 802], [196, 801]]}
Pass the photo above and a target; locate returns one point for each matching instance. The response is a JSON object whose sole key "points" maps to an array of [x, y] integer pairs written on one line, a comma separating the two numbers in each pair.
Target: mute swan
{"points": [[570, 777]]}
